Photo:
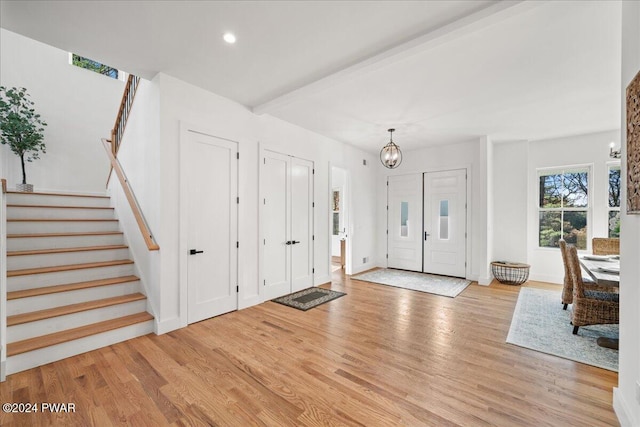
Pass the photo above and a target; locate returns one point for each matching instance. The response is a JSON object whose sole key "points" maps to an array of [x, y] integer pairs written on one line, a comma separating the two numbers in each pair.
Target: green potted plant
{"points": [[21, 128]]}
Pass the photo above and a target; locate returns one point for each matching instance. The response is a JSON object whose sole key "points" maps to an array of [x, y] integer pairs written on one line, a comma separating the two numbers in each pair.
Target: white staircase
{"points": [[71, 286]]}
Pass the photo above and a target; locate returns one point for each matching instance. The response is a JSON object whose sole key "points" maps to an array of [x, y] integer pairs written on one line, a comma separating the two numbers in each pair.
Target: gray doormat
{"points": [[539, 323], [308, 298], [423, 282]]}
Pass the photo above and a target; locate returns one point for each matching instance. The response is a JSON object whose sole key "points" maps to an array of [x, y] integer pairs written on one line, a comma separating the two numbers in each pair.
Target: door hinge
{"points": [[264, 160], [313, 237], [313, 204], [313, 171], [237, 244], [387, 232], [238, 155], [264, 201], [237, 288], [264, 283], [387, 183], [264, 241], [387, 256], [238, 200], [313, 270], [387, 207]]}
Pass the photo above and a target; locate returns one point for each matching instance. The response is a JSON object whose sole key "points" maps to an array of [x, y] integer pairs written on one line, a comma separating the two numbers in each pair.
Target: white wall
{"points": [[443, 157], [208, 112], [625, 397], [592, 150], [79, 106], [510, 199]]}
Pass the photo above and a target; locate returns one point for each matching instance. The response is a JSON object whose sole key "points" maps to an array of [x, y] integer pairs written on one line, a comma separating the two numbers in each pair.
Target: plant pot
{"points": [[24, 188]]}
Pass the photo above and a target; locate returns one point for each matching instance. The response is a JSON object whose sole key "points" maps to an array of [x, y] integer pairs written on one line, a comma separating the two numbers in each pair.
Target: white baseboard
{"points": [[548, 279], [620, 407], [167, 325], [363, 267], [3, 371]]}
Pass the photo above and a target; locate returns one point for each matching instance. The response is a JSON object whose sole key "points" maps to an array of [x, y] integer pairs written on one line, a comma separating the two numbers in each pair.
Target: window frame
{"points": [[555, 170], [609, 165]]}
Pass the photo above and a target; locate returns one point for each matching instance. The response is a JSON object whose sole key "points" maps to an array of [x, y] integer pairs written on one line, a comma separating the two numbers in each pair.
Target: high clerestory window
{"points": [[95, 66], [563, 206]]}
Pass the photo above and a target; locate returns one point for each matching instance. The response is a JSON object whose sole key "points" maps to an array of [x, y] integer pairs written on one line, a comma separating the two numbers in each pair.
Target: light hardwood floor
{"points": [[380, 356]]}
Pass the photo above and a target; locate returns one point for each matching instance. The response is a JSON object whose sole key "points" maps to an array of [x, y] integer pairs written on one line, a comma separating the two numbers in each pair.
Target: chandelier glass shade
{"points": [[390, 155]]}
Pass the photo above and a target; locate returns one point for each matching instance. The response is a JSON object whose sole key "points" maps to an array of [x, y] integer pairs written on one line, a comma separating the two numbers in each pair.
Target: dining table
{"points": [[605, 271]]}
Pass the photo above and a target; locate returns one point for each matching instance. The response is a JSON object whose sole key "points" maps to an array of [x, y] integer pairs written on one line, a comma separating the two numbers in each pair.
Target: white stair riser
{"points": [[33, 243], [30, 281], [24, 361], [38, 227], [61, 323], [51, 213], [65, 258], [46, 200], [43, 302]]}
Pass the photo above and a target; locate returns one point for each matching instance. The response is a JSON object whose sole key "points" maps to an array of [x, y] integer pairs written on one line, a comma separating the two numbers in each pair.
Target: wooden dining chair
{"points": [[590, 307], [605, 246], [567, 289]]}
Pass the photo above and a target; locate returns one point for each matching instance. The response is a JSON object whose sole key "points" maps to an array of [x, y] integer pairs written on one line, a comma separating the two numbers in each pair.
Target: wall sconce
{"points": [[614, 154]]}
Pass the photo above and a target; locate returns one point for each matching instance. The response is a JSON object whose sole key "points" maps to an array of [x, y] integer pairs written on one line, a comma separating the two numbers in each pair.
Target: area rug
{"points": [[308, 298], [430, 283], [539, 323]]}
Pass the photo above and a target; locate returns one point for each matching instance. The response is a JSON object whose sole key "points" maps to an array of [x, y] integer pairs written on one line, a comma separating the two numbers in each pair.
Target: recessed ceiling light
{"points": [[229, 38]]}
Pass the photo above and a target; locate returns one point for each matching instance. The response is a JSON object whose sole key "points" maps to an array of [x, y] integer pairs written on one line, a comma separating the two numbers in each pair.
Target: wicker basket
{"points": [[510, 273]]}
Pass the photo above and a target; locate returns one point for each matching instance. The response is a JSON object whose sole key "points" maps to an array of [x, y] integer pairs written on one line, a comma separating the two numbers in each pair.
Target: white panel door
{"points": [[287, 223], [404, 222], [301, 224], [276, 220], [212, 227], [445, 222]]}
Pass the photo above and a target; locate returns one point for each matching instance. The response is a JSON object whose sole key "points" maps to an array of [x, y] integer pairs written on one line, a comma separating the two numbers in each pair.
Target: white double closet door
{"points": [[287, 223], [427, 221]]}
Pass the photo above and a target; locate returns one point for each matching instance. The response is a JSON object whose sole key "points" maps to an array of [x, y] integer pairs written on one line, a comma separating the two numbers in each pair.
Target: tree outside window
{"points": [[90, 64], [563, 207], [614, 201]]}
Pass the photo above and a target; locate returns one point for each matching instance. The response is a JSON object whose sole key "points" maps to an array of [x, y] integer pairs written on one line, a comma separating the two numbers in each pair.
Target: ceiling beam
{"points": [[495, 13]]}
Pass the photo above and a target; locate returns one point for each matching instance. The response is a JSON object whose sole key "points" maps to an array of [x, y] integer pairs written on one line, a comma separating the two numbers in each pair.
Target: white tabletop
{"points": [[595, 269]]}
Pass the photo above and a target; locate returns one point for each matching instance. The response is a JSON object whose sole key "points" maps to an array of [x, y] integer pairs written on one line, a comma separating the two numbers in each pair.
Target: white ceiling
{"points": [[437, 71]]}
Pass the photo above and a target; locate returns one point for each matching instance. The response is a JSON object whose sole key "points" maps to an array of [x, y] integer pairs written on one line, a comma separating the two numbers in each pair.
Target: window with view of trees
{"points": [[90, 64], [563, 207], [614, 201]]}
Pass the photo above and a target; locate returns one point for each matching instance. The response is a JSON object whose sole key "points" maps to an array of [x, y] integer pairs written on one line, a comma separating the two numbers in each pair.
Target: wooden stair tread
{"points": [[46, 290], [40, 270], [57, 206], [58, 194], [65, 250], [58, 219], [33, 316], [73, 234], [75, 333]]}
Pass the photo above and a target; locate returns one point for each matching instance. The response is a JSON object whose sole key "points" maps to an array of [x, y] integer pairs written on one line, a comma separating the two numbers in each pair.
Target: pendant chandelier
{"points": [[390, 155]]}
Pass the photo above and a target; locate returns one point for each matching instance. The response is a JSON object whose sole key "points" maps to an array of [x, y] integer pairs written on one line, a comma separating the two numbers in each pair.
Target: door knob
{"points": [[288, 242], [193, 252], [426, 235], [294, 242]]}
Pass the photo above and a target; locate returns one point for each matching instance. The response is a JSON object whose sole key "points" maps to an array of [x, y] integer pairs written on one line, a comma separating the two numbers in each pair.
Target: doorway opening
{"points": [[339, 221]]}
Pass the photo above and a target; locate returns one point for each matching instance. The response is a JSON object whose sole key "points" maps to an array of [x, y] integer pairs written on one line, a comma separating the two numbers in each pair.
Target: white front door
{"points": [[404, 222], [212, 227], [445, 222], [287, 223]]}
